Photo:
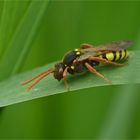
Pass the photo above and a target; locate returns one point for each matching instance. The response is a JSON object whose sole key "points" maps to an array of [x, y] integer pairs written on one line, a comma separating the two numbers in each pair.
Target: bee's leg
{"points": [[93, 70], [85, 46], [102, 60], [65, 78]]}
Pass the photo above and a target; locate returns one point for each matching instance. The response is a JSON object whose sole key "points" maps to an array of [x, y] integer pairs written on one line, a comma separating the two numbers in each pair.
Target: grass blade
{"points": [[11, 92], [22, 39]]}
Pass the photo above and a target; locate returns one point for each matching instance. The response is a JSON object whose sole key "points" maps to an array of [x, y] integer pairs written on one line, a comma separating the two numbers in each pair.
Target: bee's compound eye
{"points": [[58, 72]]}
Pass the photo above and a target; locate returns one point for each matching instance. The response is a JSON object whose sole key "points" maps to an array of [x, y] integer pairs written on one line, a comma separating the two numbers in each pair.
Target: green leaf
{"points": [[11, 92], [20, 44]]}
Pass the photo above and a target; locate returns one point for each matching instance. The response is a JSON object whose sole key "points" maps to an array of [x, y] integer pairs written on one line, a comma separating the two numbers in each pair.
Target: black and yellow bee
{"points": [[85, 59]]}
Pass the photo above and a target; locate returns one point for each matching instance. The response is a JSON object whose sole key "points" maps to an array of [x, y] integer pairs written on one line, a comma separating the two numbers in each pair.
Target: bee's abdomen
{"points": [[115, 55]]}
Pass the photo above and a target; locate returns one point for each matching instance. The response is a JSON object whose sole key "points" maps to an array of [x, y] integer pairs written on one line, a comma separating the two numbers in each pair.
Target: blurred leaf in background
{"points": [[34, 33]]}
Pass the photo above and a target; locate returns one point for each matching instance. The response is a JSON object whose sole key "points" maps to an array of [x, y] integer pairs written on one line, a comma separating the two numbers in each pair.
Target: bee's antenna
{"points": [[40, 77]]}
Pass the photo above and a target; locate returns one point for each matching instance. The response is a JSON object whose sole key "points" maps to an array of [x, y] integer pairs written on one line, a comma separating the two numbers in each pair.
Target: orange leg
{"points": [[102, 60], [98, 59], [93, 70], [65, 78], [85, 46]]}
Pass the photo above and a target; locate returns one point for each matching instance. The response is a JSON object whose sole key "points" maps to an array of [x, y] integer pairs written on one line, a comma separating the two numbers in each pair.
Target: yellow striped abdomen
{"points": [[115, 55]]}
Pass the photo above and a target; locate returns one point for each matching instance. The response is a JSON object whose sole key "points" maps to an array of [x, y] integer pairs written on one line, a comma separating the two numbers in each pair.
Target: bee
{"points": [[85, 59]]}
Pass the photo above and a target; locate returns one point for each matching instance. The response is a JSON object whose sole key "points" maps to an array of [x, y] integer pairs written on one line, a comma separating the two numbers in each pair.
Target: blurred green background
{"points": [[58, 26]]}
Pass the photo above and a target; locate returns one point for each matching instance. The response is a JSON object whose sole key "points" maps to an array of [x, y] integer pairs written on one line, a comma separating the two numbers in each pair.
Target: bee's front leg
{"points": [[65, 78]]}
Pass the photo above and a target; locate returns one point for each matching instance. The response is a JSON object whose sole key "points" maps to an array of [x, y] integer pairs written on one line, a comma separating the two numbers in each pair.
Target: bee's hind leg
{"points": [[86, 46], [93, 70], [102, 60]]}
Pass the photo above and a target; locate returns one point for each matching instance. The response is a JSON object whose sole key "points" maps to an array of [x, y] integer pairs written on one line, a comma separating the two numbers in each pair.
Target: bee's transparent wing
{"points": [[114, 46], [101, 49]]}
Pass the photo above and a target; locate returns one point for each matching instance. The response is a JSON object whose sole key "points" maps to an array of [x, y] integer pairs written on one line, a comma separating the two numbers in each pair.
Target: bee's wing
{"points": [[114, 46], [86, 53], [101, 49]]}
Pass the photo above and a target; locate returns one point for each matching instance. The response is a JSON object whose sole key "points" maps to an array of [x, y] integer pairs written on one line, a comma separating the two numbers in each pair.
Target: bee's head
{"points": [[58, 71]]}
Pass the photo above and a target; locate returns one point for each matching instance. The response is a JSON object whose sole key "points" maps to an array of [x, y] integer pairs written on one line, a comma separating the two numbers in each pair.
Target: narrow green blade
{"points": [[11, 92], [20, 44]]}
